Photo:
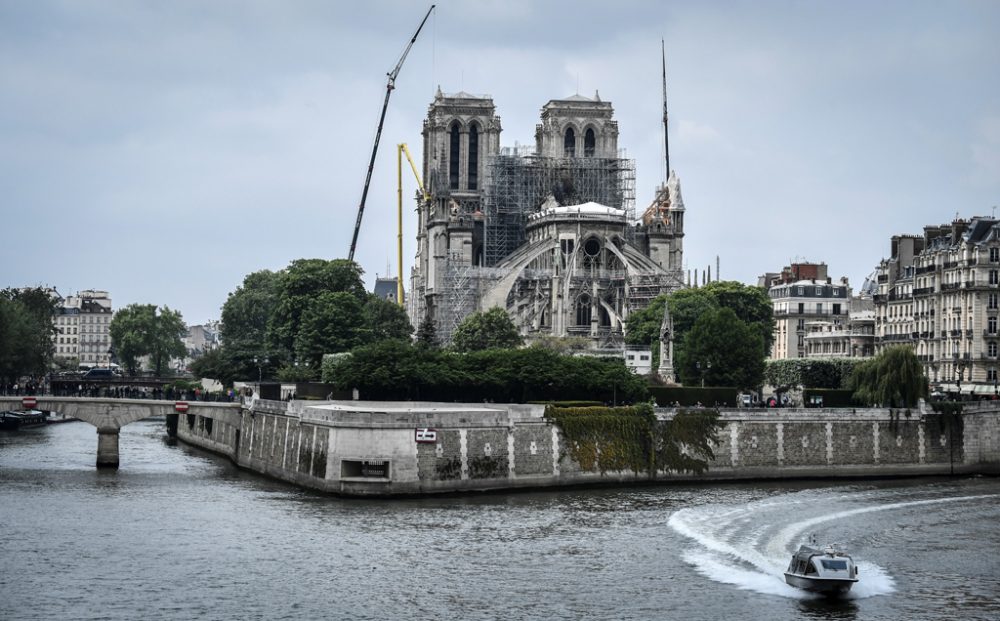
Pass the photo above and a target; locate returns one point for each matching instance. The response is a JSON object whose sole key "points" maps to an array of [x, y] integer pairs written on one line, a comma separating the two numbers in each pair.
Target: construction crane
{"points": [[400, 150], [378, 134]]}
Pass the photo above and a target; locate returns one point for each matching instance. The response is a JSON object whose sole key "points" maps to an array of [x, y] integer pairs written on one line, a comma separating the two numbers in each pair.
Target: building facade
{"points": [[853, 338], [803, 294], [938, 293], [83, 329], [548, 234]]}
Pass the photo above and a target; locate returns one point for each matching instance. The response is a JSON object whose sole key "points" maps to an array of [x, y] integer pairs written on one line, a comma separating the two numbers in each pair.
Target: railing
{"points": [[950, 286], [990, 333]]}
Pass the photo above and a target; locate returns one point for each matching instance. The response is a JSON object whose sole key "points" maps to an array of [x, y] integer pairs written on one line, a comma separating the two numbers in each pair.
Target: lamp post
{"points": [[707, 366], [260, 362], [958, 382]]}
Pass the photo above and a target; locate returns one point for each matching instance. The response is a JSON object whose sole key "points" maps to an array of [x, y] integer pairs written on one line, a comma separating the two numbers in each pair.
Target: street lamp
{"points": [[958, 382], [698, 365], [260, 362]]}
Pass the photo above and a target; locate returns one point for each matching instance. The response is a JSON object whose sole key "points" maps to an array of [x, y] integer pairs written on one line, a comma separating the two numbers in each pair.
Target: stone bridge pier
{"points": [[108, 416]]}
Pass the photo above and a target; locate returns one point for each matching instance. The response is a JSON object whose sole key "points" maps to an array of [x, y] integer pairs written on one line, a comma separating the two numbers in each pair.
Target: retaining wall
{"points": [[358, 448]]}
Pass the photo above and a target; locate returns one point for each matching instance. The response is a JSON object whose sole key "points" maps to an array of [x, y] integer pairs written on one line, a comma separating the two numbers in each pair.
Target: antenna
{"points": [[666, 140]]}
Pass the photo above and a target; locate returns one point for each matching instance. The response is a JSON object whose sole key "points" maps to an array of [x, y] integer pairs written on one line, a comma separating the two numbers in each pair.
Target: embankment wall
{"points": [[379, 448]]}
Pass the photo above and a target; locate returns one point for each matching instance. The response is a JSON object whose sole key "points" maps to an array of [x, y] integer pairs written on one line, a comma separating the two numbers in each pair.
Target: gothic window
{"points": [[588, 143], [569, 143], [474, 157], [583, 310], [453, 158]]}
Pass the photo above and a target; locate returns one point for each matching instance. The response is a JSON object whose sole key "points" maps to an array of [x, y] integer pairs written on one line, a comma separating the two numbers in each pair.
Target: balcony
{"points": [[987, 333], [923, 291], [951, 286], [955, 333]]}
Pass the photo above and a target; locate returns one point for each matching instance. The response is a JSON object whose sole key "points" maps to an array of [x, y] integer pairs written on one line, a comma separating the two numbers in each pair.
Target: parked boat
{"points": [[12, 421], [829, 571]]}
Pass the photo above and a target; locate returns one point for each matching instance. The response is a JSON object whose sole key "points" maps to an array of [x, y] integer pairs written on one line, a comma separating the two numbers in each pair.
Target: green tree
{"points": [[298, 285], [492, 329], [166, 339], [722, 350], [143, 330], [329, 323], [26, 331], [750, 304], [383, 319], [130, 334], [427, 333], [894, 378]]}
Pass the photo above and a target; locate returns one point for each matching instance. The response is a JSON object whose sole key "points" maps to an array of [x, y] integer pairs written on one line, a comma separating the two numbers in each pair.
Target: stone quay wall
{"points": [[389, 449]]}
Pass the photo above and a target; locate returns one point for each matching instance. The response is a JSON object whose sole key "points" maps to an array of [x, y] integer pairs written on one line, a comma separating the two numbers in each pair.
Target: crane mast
{"points": [[390, 85]]}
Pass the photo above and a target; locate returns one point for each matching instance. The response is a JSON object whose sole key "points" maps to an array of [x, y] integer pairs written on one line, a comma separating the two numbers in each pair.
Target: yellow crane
{"points": [[401, 148]]}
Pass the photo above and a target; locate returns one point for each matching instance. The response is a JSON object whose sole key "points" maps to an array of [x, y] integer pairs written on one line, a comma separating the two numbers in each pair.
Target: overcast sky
{"points": [[164, 150]]}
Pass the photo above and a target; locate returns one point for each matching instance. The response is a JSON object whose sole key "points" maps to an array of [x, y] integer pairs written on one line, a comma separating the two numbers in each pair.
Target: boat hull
{"points": [[825, 586]]}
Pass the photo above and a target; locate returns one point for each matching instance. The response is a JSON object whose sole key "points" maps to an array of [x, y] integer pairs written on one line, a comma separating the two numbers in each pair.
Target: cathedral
{"points": [[549, 234]]}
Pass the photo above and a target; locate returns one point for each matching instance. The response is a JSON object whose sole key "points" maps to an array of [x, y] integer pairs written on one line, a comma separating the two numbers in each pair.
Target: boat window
{"points": [[810, 569], [835, 565]]}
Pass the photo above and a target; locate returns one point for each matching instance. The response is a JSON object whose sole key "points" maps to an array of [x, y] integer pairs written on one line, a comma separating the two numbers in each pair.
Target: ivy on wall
{"points": [[632, 438]]}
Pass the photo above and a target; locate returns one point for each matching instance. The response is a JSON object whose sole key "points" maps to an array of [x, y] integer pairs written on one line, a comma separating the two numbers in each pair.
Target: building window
{"points": [[569, 143], [802, 308], [991, 301], [588, 143], [994, 277], [583, 310], [453, 159], [474, 157], [836, 309], [991, 374], [991, 349], [802, 290], [994, 255], [819, 308], [991, 325], [819, 291]]}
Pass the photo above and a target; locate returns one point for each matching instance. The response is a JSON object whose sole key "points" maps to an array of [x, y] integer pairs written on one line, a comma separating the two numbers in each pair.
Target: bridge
{"points": [[109, 415]]}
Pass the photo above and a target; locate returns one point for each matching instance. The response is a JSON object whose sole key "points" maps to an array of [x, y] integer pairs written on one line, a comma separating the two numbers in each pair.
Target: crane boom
{"points": [[390, 85]]}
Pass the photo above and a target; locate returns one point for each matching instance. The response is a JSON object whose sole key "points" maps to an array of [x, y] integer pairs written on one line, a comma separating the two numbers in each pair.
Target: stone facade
{"points": [[545, 234], [940, 294], [370, 449]]}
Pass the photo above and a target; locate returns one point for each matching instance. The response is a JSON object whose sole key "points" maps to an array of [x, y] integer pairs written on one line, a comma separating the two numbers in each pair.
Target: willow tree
{"points": [[894, 378]]}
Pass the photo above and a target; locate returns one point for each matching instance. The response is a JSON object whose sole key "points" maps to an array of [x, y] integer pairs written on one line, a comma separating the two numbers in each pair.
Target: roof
{"points": [[385, 288]]}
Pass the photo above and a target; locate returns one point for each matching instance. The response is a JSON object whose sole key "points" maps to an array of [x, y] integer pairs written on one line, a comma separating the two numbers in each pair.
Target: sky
{"points": [[162, 151]]}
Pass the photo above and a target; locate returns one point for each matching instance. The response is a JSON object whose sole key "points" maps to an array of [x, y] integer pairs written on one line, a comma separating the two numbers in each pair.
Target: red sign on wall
{"points": [[181, 406], [29, 402]]}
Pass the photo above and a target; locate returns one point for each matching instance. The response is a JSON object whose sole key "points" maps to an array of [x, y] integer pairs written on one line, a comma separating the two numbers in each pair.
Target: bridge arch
{"points": [[108, 415]]}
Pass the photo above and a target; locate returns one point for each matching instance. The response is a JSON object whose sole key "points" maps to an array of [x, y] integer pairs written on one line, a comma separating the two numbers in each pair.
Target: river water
{"points": [[177, 533]]}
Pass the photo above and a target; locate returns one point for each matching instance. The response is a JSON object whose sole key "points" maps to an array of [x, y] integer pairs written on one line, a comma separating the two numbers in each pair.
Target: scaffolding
{"points": [[519, 181]]}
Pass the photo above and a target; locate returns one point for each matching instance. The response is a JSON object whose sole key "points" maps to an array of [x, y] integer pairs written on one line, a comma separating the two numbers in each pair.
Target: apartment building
{"points": [[83, 329], [939, 293], [802, 294]]}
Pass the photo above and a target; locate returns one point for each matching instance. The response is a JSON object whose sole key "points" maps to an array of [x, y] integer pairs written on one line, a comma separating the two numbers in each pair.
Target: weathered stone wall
{"points": [[479, 448]]}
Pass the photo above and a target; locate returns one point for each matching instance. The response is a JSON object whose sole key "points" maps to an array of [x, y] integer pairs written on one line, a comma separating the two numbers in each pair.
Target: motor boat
{"points": [[829, 571]]}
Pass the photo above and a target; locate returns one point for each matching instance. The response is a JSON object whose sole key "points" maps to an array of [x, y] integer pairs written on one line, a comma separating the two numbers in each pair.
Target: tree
{"points": [[383, 319], [722, 350], [297, 286], [750, 304], [130, 330], [26, 331], [492, 329], [166, 339], [427, 333], [329, 323], [143, 330], [894, 378]]}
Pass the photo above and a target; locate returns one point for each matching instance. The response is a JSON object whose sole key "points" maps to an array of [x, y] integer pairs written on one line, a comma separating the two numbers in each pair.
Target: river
{"points": [[178, 533]]}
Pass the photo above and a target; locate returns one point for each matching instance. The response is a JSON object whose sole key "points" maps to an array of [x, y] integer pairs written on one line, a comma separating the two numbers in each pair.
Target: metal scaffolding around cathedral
{"points": [[549, 234]]}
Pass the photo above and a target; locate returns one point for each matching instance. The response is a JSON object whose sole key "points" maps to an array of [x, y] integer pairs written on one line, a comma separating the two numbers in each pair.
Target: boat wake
{"points": [[748, 546]]}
